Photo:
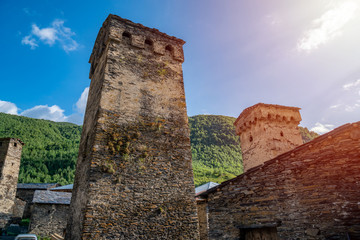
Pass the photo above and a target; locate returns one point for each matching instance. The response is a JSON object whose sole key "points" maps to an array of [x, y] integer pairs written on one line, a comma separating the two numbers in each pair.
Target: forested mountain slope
{"points": [[51, 148]]}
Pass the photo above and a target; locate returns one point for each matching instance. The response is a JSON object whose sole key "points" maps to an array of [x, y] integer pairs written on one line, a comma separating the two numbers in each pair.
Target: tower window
{"points": [[15, 144], [149, 42], [126, 35], [169, 48], [281, 134], [251, 138]]}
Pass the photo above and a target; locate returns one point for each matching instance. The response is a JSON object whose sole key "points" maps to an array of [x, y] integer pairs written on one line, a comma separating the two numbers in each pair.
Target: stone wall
{"points": [[266, 131], [47, 219], [203, 218], [134, 176], [10, 154], [311, 192], [27, 196]]}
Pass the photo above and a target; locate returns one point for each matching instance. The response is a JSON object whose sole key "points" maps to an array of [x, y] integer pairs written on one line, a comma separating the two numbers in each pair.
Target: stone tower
{"points": [[10, 154], [134, 177], [267, 131]]}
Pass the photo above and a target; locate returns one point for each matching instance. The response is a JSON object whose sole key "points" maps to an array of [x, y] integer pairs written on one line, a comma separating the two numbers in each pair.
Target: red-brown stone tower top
{"points": [[267, 130]]}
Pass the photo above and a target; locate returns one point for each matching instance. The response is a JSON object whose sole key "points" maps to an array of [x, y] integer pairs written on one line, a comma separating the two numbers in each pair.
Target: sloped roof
{"points": [[64, 188], [37, 186], [321, 138], [51, 197], [205, 187]]}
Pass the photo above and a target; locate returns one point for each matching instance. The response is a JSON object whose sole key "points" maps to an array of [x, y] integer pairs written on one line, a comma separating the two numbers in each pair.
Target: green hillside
{"points": [[215, 148], [51, 148]]}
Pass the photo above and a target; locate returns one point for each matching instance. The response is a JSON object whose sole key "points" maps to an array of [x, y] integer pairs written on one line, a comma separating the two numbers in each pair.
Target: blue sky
{"points": [[237, 53]]}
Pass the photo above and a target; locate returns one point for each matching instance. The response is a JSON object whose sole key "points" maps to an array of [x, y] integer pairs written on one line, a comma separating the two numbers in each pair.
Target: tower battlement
{"points": [[135, 36], [267, 130]]}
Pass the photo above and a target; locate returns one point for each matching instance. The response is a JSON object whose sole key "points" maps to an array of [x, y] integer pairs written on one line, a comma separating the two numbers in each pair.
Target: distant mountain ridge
{"points": [[51, 148]]}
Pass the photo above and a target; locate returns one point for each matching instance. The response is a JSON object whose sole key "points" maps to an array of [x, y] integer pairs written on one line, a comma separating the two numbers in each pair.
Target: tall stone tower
{"points": [[267, 131], [134, 177], [10, 154]]}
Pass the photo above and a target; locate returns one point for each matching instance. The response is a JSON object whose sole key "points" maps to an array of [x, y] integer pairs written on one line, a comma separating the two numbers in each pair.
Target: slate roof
{"points": [[37, 186], [336, 131], [51, 197], [205, 187], [65, 188]]}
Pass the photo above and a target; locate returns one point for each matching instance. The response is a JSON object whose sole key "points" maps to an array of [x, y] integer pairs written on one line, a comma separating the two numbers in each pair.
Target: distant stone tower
{"points": [[267, 131], [134, 176], [10, 154]]}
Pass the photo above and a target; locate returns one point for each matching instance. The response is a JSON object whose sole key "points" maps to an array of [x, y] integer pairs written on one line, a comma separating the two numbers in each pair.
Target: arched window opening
{"points": [[149, 44], [251, 138], [126, 35], [169, 48], [281, 134]]}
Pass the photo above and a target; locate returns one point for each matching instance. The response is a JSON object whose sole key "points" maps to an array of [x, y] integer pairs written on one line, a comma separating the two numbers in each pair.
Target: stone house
{"points": [[49, 212], [308, 192], [25, 192]]}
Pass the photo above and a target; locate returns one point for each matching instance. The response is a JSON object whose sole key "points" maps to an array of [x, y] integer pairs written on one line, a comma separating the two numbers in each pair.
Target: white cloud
{"points": [[328, 26], [53, 113], [349, 86], [8, 107], [322, 128], [28, 40], [81, 103], [352, 108], [50, 35], [47, 35]]}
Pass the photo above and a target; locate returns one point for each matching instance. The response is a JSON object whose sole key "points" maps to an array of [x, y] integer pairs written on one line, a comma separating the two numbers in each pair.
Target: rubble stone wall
{"points": [[134, 176], [10, 154], [203, 219], [47, 219], [311, 192], [266, 131]]}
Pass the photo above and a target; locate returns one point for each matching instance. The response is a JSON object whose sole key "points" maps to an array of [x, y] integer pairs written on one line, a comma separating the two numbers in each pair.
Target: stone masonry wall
{"points": [[134, 176], [10, 154], [266, 131], [311, 192], [47, 219], [26, 195], [203, 219]]}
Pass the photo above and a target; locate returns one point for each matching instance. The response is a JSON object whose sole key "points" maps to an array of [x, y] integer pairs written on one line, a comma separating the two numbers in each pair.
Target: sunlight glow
{"points": [[328, 26]]}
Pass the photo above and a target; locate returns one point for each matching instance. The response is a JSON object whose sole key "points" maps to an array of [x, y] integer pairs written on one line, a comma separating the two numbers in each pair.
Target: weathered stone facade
{"points": [[10, 154], [50, 211], [267, 130], [25, 192], [310, 192], [134, 176], [201, 205]]}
